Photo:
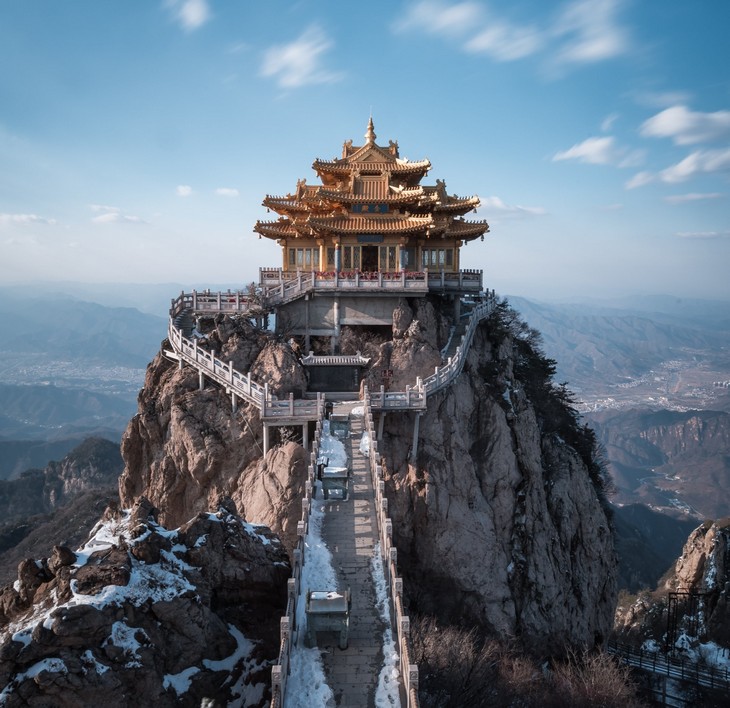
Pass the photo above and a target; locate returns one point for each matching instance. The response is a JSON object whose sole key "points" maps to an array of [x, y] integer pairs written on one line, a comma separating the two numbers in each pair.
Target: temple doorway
{"points": [[369, 259]]}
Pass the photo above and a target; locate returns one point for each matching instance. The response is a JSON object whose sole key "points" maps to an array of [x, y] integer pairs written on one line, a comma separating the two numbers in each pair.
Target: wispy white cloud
{"points": [[595, 151], [583, 31], [189, 14], [496, 204], [661, 99], [24, 219], [691, 197], [590, 31], [299, 63], [112, 215], [441, 18], [601, 151], [226, 192], [703, 234], [183, 190], [640, 179], [686, 127], [506, 42], [608, 122], [698, 162]]}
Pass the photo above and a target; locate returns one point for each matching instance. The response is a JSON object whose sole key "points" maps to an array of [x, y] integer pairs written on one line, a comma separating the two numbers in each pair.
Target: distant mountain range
{"points": [[662, 352]]}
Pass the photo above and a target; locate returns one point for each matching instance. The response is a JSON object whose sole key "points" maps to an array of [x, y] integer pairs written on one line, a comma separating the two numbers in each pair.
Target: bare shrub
{"points": [[460, 667], [456, 668], [594, 679]]}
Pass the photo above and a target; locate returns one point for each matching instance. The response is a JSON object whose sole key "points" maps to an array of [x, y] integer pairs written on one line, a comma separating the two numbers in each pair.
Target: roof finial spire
{"points": [[370, 135]]}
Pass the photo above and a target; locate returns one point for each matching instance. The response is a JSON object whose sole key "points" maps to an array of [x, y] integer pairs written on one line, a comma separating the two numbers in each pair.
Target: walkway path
{"points": [[350, 531]]}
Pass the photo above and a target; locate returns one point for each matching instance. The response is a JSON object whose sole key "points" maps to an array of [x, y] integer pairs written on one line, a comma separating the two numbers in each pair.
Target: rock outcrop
{"points": [[186, 446], [701, 579], [500, 519], [146, 616], [94, 464]]}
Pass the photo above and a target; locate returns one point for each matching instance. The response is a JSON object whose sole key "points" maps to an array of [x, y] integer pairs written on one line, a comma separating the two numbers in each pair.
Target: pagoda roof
{"points": [[396, 167], [455, 203], [287, 203], [374, 225], [275, 229], [407, 195], [467, 229]]}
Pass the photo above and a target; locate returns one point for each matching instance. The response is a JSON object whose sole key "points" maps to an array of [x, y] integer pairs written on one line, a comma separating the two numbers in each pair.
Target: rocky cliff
{"points": [[500, 520], [142, 615], [701, 577], [186, 447], [57, 504]]}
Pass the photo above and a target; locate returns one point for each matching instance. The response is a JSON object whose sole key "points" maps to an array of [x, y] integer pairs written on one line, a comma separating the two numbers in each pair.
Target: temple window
{"points": [[304, 258], [388, 259], [441, 258], [351, 258]]}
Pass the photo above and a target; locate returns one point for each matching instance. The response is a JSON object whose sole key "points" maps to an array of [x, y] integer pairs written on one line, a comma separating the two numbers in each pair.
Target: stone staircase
{"points": [[185, 322], [350, 531]]}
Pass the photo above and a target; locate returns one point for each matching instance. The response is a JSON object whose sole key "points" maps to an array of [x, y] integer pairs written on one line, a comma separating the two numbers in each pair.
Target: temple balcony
{"points": [[282, 286]]}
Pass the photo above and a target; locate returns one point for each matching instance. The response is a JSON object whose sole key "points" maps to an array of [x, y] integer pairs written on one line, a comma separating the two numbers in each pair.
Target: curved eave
{"points": [[283, 204], [405, 197], [466, 230], [274, 229], [362, 225], [459, 204], [341, 167]]}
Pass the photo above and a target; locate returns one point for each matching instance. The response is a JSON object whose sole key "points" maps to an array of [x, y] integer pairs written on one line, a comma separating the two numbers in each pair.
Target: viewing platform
{"points": [[279, 286]]}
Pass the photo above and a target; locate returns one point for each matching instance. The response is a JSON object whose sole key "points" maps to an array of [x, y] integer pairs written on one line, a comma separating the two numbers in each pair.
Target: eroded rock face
{"points": [[187, 447], [147, 616], [498, 522], [703, 570]]}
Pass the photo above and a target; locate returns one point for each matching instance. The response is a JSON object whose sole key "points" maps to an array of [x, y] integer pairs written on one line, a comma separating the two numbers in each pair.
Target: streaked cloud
{"points": [[441, 18], [183, 190], [698, 162], [601, 151], [590, 31], [703, 234], [506, 42], [189, 14], [686, 127], [583, 31], [496, 204], [112, 215], [300, 62], [226, 192], [595, 151], [691, 197], [24, 219], [639, 180]]}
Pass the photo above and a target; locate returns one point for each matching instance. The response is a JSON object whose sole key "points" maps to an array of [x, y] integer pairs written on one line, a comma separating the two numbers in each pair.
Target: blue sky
{"points": [[138, 138]]}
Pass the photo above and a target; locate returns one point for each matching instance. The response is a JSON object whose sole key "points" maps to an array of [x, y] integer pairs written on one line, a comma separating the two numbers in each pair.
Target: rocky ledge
{"points": [[142, 615]]}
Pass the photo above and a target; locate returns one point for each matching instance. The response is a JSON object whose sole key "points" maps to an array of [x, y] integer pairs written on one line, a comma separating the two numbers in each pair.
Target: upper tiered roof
{"points": [[371, 189]]}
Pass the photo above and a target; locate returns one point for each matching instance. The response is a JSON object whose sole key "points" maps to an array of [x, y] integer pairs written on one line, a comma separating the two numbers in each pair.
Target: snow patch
{"points": [[180, 683]]}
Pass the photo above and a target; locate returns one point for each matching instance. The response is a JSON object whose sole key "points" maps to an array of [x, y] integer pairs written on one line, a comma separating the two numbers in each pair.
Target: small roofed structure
{"points": [[370, 214]]}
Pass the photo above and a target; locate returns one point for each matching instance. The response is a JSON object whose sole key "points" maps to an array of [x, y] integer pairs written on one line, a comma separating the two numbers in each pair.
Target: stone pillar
{"points": [[266, 439], [234, 402], [414, 446], [338, 258], [201, 380], [307, 345], [380, 425], [305, 436], [457, 308], [336, 316]]}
